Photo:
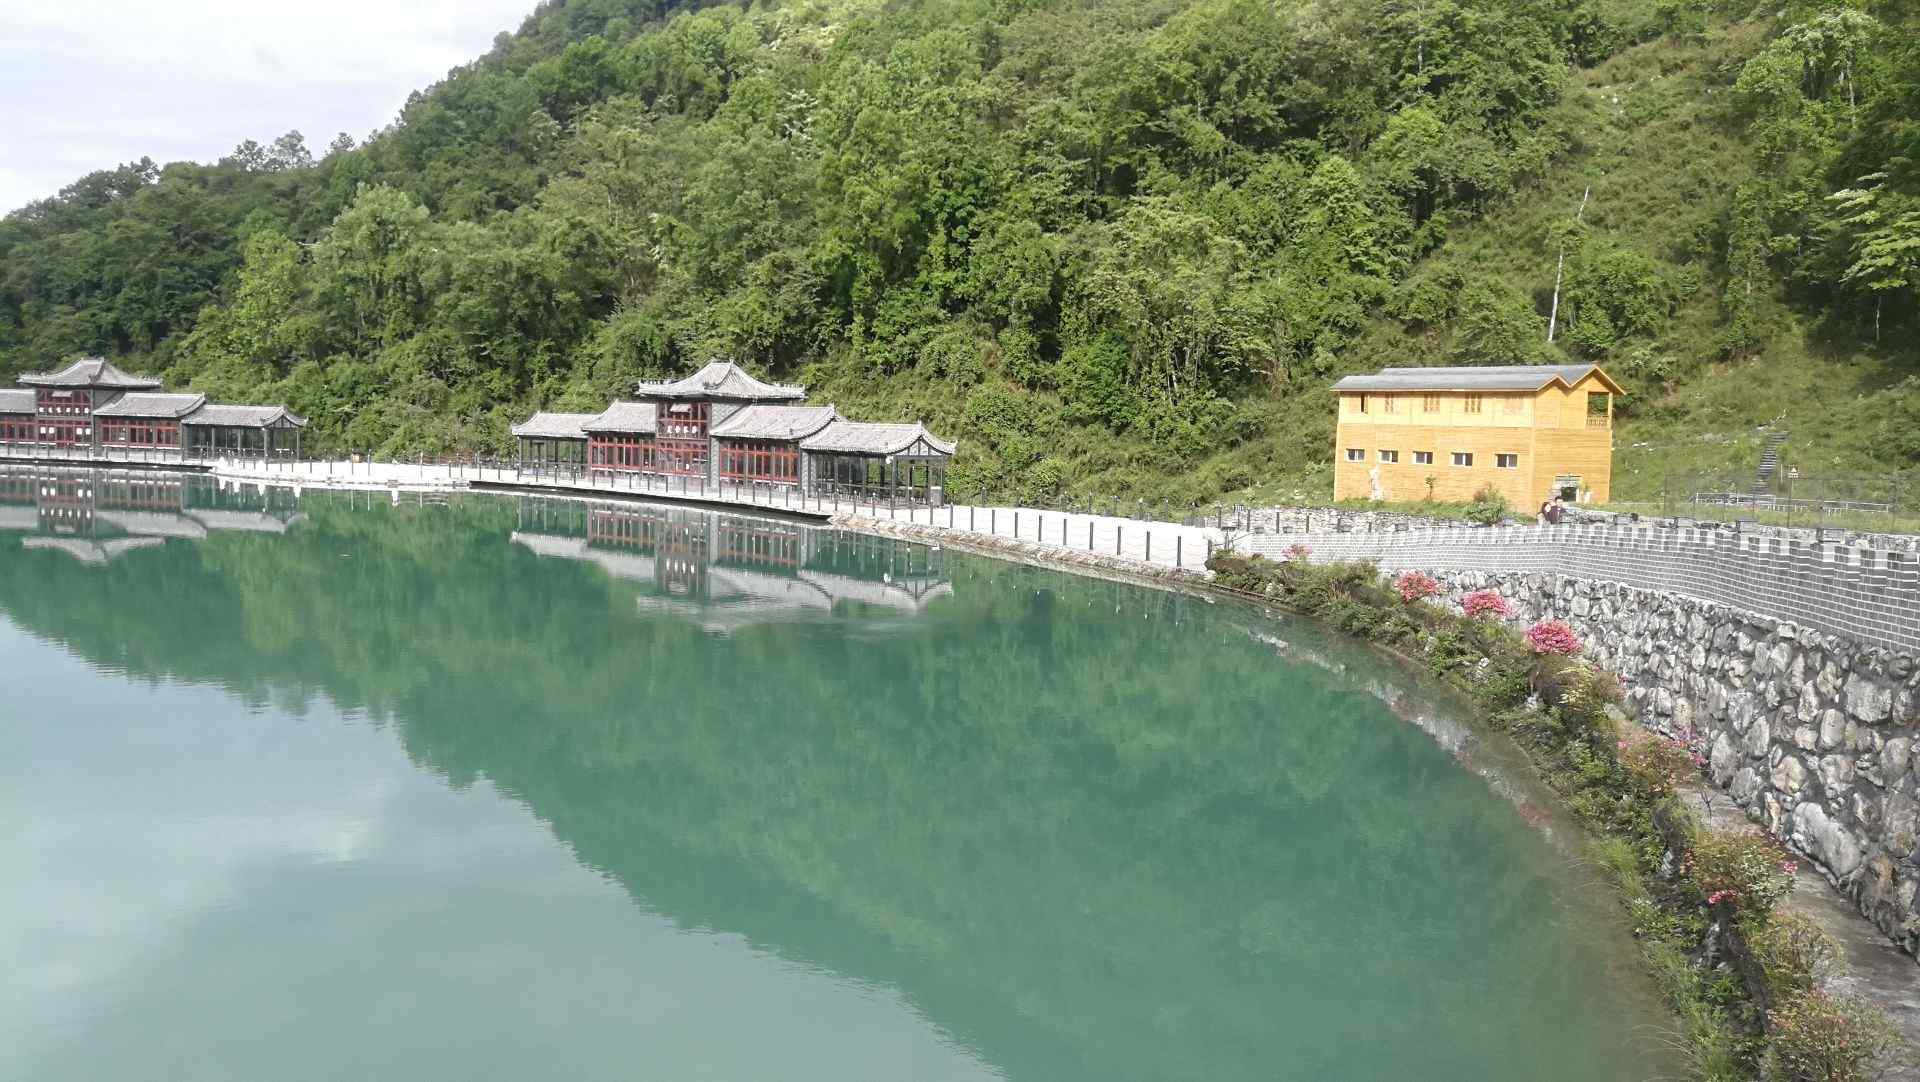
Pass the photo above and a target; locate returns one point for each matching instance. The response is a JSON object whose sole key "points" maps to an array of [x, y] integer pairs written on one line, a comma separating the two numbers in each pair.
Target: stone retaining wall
{"points": [[1791, 665], [1871, 596], [1812, 734]]}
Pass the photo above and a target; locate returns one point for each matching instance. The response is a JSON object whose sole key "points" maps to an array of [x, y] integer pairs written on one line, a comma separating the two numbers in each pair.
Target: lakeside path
{"points": [[1157, 545]]}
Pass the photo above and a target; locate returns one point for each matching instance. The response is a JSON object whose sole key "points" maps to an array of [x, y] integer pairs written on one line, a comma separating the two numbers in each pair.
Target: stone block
{"points": [[1868, 699], [1826, 840]]}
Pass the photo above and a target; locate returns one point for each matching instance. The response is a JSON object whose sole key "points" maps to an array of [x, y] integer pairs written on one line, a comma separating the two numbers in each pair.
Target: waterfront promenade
{"points": [[1162, 544]]}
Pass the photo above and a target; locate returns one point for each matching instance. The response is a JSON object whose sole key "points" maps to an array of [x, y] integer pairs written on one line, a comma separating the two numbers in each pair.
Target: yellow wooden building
{"points": [[1530, 431]]}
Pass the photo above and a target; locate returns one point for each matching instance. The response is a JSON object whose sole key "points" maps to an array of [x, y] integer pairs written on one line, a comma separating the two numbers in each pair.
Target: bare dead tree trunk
{"points": [[1560, 268]]}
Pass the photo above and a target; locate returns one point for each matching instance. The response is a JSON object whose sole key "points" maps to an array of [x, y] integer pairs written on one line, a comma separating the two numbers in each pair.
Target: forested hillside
{"points": [[1113, 245]]}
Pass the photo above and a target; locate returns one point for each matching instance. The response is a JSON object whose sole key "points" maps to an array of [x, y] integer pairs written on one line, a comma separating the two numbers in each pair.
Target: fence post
{"points": [[1178, 547], [1149, 546], [1119, 531]]}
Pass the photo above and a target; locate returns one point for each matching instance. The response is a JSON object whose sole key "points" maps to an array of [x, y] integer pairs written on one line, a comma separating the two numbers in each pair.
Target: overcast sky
{"points": [[89, 84]]}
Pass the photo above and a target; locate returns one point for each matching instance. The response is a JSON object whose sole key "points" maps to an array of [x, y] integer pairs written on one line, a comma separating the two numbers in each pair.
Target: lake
{"points": [[348, 786]]}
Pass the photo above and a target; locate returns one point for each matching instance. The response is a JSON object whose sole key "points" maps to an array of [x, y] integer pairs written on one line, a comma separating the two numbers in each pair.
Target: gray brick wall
{"points": [[1870, 595]]}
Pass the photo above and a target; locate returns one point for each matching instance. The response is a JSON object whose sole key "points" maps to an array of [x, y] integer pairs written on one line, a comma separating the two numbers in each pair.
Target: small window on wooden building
{"points": [[1423, 458], [1389, 456], [1463, 458], [1507, 462], [1356, 454], [1470, 404], [1431, 403]]}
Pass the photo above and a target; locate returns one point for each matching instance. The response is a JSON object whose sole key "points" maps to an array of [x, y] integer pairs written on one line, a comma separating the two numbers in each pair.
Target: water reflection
{"points": [[97, 516], [1063, 829], [725, 572]]}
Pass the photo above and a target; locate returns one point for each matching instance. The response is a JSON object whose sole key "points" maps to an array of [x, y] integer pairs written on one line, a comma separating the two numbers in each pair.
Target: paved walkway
{"points": [[1876, 970], [1163, 543]]}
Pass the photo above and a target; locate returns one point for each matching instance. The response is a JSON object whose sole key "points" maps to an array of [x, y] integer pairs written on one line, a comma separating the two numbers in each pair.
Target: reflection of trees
{"points": [[1083, 841]]}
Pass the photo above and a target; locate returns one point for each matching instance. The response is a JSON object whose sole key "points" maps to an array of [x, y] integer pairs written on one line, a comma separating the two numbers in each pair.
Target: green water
{"points": [[515, 789]]}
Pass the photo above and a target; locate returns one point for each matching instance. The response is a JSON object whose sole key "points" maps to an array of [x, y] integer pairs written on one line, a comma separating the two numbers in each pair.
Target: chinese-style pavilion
{"points": [[91, 405], [721, 425]]}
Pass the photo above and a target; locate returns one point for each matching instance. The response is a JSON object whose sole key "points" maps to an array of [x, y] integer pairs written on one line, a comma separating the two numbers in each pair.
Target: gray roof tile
{"points": [[554, 426], [1504, 377], [624, 417], [92, 372], [764, 422], [721, 379], [868, 438], [143, 404], [21, 400], [243, 416]]}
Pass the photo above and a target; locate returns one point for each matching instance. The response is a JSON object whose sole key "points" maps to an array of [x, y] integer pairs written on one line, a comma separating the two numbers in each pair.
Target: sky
{"points": [[89, 84]]}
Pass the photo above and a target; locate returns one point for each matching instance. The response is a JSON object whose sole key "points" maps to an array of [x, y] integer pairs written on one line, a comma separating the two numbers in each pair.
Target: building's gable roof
{"points": [[244, 417], [721, 379], [868, 438], [147, 404], [18, 400], [764, 422], [555, 426], [1503, 377], [624, 417], [92, 372]]}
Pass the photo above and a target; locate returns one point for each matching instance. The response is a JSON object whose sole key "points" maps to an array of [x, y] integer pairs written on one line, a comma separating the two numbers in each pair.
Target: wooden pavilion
{"points": [[547, 440], [869, 461]]}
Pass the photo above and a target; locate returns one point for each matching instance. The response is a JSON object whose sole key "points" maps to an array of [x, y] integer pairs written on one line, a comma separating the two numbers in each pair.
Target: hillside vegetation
{"points": [[1113, 245]]}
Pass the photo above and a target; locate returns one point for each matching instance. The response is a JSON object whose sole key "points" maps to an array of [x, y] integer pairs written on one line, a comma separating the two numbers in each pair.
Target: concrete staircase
{"points": [[1769, 458]]}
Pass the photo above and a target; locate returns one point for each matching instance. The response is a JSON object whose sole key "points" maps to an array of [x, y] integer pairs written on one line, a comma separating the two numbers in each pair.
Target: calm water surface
{"points": [[510, 789]]}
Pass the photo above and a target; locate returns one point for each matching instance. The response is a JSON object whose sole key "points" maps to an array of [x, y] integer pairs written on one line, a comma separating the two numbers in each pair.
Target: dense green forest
{"points": [[1112, 245]]}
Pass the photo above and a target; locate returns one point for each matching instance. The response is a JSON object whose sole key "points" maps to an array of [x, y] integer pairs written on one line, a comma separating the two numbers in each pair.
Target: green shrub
{"points": [[1488, 506], [1746, 873], [1797, 954], [1816, 1037]]}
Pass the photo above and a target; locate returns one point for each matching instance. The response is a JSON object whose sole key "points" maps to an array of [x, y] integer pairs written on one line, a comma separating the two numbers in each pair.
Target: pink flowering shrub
{"points": [[1553, 637], [1749, 872], [1819, 1037], [1655, 765], [1297, 551], [1416, 585], [1485, 603]]}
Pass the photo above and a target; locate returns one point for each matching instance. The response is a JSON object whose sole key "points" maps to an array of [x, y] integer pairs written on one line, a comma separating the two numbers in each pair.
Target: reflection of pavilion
{"points": [[96, 516], [726, 572]]}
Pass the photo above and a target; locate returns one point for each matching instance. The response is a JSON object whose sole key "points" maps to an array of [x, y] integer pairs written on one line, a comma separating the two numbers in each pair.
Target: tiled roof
{"points": [[244, 417], [1504, 377], [554, 426], [764, 422], [92, 372], [624, 417], [866, 438], [721, 379], [145, 404], [21, 400]]}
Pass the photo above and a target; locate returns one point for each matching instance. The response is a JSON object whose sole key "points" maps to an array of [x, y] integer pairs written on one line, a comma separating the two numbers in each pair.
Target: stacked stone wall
{"points": [[1792, 666]]}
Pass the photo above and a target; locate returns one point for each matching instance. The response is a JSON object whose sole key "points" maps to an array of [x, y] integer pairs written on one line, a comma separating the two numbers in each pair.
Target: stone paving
{"points": [[1160, 543]]}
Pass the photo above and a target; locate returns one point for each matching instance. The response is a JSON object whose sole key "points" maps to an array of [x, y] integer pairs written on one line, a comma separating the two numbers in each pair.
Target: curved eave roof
{"points": [[138, 404], [92, 372], [16, 400], [721, 379], [624, 417], [765, 422], [218, 416], [870, 438], [1505, 377], [555, 426]]}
